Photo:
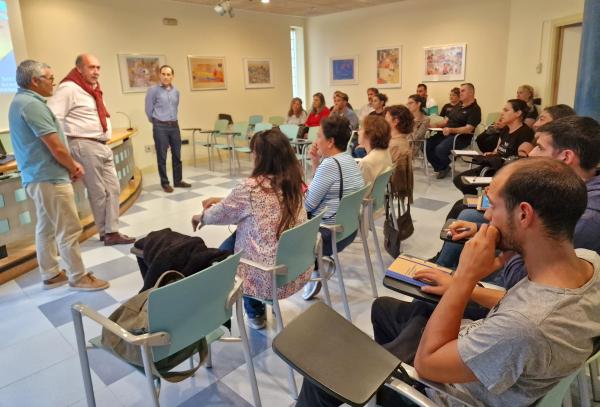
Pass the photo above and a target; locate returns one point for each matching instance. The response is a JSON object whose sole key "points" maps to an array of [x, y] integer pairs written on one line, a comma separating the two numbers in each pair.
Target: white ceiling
{"points": [[297, 7]]}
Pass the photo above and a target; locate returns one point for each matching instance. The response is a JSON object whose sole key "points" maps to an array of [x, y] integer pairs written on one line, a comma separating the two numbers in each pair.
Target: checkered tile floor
{"points": [[39, 361]]}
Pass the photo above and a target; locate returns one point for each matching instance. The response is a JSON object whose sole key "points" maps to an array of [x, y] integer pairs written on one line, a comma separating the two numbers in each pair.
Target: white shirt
{"points": [[76, 112], [430, 102], [364, 111]]}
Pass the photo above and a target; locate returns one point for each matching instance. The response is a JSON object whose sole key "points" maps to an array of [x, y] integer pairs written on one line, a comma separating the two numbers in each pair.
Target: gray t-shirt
{"points": [[535, 336]]}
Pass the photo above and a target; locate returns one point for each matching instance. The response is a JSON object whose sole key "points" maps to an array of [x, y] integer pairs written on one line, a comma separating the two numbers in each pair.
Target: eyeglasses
{"points": [[49, 78]]}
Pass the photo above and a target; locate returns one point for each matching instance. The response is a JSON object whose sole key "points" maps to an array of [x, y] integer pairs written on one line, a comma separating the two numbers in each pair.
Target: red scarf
{"points": [[96, 93]]}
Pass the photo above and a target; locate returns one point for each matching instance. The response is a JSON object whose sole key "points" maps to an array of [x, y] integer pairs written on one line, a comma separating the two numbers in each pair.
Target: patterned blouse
{"points": [[256, 211]]}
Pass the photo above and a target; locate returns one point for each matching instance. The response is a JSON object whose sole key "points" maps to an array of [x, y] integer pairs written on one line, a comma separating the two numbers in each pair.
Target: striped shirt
{"points": [[324, 189]]}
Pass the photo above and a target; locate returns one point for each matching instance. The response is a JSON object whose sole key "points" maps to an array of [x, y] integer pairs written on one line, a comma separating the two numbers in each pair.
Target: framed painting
{"points": [[445, 62], [343, 70], [258, 73], [207, 73], [389, 67], [139, 71]]}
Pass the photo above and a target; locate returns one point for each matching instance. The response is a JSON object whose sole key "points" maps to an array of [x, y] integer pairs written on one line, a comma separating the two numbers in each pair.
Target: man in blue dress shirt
{"points": [[162, 102]]}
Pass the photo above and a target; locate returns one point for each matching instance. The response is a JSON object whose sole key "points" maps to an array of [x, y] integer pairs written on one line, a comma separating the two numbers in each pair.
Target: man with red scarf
{"points": [[80, 109]]}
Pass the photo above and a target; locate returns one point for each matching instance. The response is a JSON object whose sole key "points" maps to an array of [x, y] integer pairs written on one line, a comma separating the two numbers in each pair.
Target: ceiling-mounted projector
{"points": [[223, 8]]}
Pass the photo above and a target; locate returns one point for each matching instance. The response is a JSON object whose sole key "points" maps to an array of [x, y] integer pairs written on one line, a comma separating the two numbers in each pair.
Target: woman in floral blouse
{"points": [[263, 206]]}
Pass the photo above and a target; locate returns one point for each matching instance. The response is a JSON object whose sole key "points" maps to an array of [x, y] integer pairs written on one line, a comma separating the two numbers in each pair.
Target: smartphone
{"points": [[446, 234], [483, 203]]}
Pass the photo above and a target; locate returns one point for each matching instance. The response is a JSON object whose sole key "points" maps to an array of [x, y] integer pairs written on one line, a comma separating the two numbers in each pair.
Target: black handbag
{"points": [[394, 232]]}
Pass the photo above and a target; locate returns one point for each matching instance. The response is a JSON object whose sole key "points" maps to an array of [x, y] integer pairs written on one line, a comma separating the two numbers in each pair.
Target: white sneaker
{"points": [[258, 323], [311, 288]]}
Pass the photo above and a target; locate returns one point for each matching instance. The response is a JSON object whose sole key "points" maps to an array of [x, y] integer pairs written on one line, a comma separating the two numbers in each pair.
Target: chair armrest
{"points": [[277, 269], [410, 393], [235, 293], [153, 339], [137, 252], [333, 228]]}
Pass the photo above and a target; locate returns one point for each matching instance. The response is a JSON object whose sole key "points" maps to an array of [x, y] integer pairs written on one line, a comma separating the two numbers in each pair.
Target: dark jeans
{"points": [[165, 136], [439, 146], [253, 307]]}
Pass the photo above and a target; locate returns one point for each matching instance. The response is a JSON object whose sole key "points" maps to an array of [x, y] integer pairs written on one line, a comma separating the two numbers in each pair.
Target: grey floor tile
{"points": [[135, 209], [429, 204], [116, 268], [29, 279], [184, 196], [229, 356], [146, 196], [217, 394], [58, 311], [108, 367]]}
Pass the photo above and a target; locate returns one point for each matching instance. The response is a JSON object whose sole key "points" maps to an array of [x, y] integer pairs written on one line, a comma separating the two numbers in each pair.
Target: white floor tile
{"points": [[102, 254]]}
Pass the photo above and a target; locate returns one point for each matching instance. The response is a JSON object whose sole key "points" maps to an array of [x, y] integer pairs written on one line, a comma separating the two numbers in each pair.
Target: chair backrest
{"points": [[262, 126], [431, 111], [276, 120], [241, 129], [479, 129], [379, 188], [221, 125], [191, 308], [225, 116], [290, 130], [492, 118], [254, 119], [296, 249], [434, 120], [312, 133], [349, 211]]}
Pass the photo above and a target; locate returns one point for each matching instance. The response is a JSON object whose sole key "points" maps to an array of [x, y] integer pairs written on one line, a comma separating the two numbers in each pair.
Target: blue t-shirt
{"points": [[29, 119]]}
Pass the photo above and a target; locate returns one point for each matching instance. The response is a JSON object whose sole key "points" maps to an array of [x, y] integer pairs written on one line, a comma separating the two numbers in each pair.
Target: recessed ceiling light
{"points": [[265, 1]]}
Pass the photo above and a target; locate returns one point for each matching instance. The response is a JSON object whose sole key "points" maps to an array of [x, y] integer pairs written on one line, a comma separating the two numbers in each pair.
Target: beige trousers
{"points": [[101, 182], [57, 223]]}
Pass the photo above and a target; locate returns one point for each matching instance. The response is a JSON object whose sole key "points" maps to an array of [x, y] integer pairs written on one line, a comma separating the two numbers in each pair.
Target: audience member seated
{"points": [[368, 108], [336, 93], [379, 101], [537, 333], [430, 105], [575, 141], [553, 113], [416, 106], [525, 93], [460, 121], [336, 175], [296, 114], [454, 102], [401, 122], [263, 206], [515, 140], [318, 111], [374, 136], [342, 108]]}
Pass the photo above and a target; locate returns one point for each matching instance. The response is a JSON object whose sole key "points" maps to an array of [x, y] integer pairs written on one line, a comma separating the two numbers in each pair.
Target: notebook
{"points": [[468, 153], [477, 180], [404, 268]]}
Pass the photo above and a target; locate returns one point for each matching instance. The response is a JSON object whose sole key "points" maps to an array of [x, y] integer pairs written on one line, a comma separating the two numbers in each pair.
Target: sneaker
{"points": [[182, 184], [56, 281], [311, 288], [89, 283], [111, 239], [259, 322]]}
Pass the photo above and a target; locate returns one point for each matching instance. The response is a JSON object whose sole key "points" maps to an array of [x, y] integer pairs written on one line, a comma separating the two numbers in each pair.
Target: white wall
{"points": [[529, 23], [57, 30], [483, 25]]}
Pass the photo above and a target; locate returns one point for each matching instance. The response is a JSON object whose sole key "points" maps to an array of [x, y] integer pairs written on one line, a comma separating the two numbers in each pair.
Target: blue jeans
{"points": [[165, 136], [439, 146], [253, 307], [450, 253]]}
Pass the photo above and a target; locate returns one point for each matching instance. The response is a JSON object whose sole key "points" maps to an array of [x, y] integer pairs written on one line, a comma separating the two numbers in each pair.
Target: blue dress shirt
{"points": [[162, 103]]}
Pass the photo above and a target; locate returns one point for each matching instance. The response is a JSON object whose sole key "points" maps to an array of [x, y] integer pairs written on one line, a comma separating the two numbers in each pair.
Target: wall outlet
{"points": [[538, 68], [150, 148], [185, 141]]}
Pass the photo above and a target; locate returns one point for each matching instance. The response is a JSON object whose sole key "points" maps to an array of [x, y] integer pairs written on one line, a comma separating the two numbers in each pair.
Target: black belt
{"points": [[90, 139], [167, 123]]}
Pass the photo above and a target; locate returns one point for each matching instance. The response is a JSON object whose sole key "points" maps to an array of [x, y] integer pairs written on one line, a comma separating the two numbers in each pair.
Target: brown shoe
{"points": [[182, 184], [111, 239], [56, 281], [167, 188], [89, 283]]}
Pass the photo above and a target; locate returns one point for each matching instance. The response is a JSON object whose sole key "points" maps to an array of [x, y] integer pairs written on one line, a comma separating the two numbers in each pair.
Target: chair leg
{"points": [[83, 358], [340, 277], [239, 314], [582, 383], [291, 379], [364, 236], [147, 359], [376, 241], [208, 357]]}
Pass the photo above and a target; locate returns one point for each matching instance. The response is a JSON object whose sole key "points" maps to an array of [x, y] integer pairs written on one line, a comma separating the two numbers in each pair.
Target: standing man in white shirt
{"points": [[162, 102], [431, 106], [368, 108], [79, 107]]}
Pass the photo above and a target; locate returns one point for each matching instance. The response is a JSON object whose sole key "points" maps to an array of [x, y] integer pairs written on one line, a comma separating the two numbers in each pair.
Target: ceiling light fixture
{"points": [[224, 7], [265, 1]]}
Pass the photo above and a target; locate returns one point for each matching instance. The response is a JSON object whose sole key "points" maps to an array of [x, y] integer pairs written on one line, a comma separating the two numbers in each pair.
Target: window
{"points": [[297, 59]]}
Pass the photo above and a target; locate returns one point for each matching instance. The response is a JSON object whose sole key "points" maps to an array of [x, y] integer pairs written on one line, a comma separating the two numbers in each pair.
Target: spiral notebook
{"points": [[404, 268]]}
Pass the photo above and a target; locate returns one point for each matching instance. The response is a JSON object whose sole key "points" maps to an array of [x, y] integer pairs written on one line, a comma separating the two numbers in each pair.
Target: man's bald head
{"points": [[89, 67]]}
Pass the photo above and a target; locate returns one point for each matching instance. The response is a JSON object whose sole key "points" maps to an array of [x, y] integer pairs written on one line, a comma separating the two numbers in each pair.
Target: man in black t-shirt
{"points": [[461, 121]]}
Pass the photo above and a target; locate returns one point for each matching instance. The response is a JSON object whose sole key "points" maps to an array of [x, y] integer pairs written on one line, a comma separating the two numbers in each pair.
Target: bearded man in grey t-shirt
{"points": [[544, 328]]}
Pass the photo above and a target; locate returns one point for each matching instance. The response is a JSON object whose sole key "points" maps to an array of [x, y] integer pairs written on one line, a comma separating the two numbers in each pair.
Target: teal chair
{"points": [[346, 222], [290, 131], [261, 127], [431, 110], [276, 120], [297, 250], [255, 119], [239, 131], [210, 142], [373, 207], [312, 133], [179, 314], [310, 137], [492, 118]]}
